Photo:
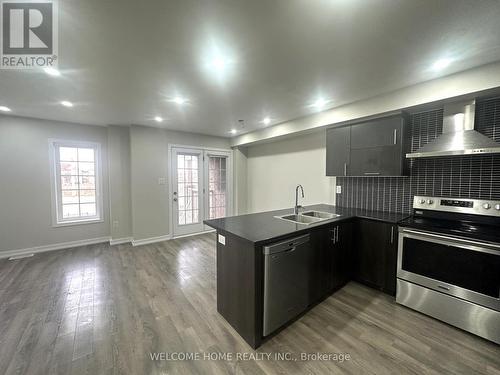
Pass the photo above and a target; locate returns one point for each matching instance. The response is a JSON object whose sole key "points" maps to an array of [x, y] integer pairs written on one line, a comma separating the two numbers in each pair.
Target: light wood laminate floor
{"points": [[102, 310]]}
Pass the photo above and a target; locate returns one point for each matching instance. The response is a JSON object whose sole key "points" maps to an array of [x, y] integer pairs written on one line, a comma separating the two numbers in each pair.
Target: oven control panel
{"points": [[458, 205]]}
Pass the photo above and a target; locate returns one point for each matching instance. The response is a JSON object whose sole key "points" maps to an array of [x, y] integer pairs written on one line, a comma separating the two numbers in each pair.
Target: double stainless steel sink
{"points": [[308, 217]]}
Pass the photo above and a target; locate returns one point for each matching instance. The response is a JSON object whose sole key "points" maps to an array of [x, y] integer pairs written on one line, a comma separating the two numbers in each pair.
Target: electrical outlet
{"points": [[162, 181], [339, 189]]}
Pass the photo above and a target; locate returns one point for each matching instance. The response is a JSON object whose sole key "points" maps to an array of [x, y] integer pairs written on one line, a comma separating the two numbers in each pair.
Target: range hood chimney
{"points": [[459, 136]]}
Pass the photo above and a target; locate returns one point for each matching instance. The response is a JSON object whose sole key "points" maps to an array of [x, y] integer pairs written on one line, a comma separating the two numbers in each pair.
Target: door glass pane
{"points": [[86, 154], [68, 154], [217, 187], [69, 182], [187, 189], [69, 168], [86, 169]]}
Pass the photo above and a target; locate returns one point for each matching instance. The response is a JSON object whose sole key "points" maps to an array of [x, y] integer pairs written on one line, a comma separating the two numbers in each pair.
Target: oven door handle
{"points": [[454, 241]]}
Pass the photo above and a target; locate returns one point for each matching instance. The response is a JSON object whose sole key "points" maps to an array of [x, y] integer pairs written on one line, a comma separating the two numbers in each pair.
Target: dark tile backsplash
{"points": [[457, 176]]}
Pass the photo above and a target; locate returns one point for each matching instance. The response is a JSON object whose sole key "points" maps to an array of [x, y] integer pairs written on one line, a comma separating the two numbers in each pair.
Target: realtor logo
{"points": [[29, 34]]}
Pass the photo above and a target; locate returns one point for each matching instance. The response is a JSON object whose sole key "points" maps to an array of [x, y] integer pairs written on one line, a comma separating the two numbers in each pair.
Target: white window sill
{"points": [[70, 223]]}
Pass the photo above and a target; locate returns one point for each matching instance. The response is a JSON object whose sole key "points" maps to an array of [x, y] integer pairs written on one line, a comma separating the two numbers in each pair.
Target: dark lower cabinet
{"points": [[332, 263], [375, 255], [319, 276], [363, 250], [391, 260], [342, 255]]}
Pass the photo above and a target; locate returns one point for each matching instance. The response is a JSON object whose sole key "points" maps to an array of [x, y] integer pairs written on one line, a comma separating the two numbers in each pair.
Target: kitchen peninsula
{"points": [[271, 270]]}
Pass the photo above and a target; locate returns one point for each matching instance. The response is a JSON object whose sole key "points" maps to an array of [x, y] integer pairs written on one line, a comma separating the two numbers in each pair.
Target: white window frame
{"points": [[55, 178]]}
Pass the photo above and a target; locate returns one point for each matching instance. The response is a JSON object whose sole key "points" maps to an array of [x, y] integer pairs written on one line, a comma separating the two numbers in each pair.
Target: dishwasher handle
{"points": [[287, 245]]}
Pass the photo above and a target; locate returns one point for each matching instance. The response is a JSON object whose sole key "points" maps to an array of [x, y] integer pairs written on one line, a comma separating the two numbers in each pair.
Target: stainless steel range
{"points": [[449, 263]]}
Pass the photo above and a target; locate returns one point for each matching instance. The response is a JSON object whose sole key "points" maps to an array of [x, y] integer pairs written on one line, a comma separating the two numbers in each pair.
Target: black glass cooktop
{"points": [[461, 228]]}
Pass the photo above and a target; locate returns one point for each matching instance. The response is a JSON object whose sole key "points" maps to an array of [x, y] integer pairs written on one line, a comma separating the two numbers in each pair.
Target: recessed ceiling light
{"points": [[219, 61], [441, 64], [4, 108], [66, 103], [179, 100], [52, 72], [233, 131], [266, 121], [319, 103], [158, 119]]}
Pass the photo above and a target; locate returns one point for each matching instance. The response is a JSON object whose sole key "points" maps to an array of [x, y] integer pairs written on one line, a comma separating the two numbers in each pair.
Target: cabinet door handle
{"points": [[392, 234], [333, 233], [345, 169], [395, 136], [372, 173]]}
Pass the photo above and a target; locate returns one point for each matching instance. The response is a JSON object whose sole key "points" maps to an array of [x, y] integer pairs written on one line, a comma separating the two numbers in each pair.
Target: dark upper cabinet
{"points": [[338, 141], [377, 133], [377, 161], [376, 148], [375, 255]]}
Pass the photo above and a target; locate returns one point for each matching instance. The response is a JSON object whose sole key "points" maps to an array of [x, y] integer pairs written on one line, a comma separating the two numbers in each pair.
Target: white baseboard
{"points": [[120, 241], [193, 234], [146, 241], [57, 246], [92, 241]]}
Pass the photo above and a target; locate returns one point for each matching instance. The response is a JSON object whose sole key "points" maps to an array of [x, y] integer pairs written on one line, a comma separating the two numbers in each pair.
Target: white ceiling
{"points": [[121, 61]]}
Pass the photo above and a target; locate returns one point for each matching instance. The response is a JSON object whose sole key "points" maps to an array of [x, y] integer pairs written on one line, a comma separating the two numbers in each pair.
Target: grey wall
{"points": [[149, 162], [240, 180], [119, 182], [133, 158], [275, 168], [25, 190]]}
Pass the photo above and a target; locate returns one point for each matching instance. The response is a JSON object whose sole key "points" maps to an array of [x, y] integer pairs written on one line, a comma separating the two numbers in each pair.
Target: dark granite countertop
{"points": [[263, 226]]}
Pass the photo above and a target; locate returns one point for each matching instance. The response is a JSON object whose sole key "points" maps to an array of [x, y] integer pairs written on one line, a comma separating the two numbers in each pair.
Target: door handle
{"points": [[392, 234], [395, 136], [372, 173], [345, 169]]}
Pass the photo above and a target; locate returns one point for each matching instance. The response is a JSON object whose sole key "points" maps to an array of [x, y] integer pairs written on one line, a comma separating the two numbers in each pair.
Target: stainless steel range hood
{"points": [[459, 136]]}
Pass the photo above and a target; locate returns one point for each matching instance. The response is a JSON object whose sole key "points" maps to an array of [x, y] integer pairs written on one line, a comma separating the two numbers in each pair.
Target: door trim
{"points": [[170, 189]]}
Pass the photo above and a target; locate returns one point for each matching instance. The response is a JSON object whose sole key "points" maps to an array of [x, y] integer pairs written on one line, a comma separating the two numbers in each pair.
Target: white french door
{"points": [[218, 187], [201, 188]]}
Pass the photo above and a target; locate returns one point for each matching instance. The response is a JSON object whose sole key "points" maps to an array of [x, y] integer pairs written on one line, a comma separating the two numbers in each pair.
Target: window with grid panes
{"points": [[77, 189]]}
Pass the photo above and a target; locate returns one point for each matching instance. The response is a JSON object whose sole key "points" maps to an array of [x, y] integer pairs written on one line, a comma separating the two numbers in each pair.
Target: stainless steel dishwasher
{"points": [[287, 266]]}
